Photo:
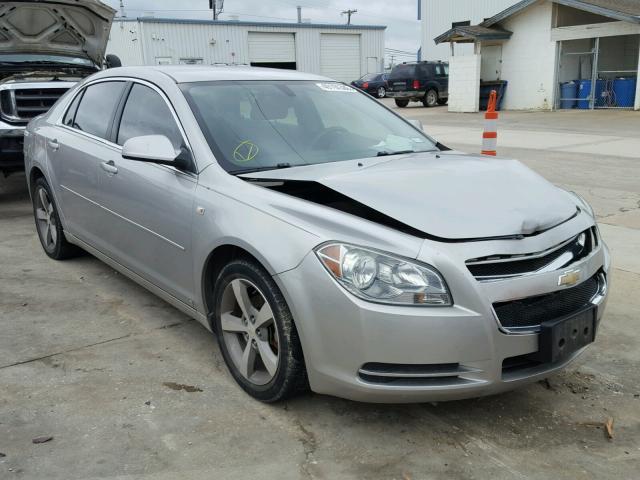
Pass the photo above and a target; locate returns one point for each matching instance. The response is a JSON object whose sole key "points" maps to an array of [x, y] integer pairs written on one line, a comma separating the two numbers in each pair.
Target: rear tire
{"points": [[430, 98], [48, 225], [258, 338], [381, 93], [401, 103]]}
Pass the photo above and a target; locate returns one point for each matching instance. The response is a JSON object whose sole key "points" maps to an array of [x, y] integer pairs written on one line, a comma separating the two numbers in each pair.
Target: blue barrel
{"points": [[568, 90], [624, 90], [584, 92]]}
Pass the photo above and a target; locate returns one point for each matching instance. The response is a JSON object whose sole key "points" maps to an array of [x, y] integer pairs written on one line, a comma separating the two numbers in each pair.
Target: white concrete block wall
{"points": [[464, 83], [438, 15], [637, 104], [528, 59]]}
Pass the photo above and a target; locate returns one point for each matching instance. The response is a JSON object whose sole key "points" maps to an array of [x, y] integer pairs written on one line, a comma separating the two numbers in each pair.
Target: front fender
{"points": [[225, 221]]}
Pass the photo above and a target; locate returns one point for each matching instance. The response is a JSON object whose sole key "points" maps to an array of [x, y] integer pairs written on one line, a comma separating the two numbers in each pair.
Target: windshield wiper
{"points": [[279, 166], [399, 152]]}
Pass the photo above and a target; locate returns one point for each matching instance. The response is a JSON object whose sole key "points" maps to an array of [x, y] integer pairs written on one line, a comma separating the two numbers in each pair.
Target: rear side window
{"points": [[441, 70], [146, 113], [97, 107]]}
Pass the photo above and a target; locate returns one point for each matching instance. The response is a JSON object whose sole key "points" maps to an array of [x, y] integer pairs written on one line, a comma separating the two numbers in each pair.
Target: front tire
{"points": [[256, 333], [48, 225], [402, 103]]}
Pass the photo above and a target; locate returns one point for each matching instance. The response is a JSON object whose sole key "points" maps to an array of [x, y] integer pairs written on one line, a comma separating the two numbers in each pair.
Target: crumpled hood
{"points": [[57, 27], [450, 196]]}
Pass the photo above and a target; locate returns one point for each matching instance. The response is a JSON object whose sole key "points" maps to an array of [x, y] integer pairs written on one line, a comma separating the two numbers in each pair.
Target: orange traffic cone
{"points": [[490, 135]]}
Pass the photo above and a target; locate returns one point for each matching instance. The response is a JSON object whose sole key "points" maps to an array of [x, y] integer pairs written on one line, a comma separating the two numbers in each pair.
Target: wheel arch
{"points": [[431, 85], [221, 255], [34, 174]]}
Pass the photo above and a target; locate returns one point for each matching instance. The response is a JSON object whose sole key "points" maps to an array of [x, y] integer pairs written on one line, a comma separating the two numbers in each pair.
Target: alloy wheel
{"points": [[432, 98], [249, 331], [382, 92], [46, 219]]}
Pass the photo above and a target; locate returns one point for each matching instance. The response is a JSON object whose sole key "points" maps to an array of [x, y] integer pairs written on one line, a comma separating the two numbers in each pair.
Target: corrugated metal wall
{"points": [[226, 43], [438, 15]]}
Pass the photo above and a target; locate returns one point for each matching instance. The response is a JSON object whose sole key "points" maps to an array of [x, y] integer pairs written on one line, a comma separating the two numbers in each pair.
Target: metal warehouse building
{"points": [[342, 52]]}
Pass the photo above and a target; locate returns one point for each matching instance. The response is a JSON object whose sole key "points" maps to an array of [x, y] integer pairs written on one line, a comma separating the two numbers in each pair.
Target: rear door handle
{"points": [[54, 145], [109, 167]]}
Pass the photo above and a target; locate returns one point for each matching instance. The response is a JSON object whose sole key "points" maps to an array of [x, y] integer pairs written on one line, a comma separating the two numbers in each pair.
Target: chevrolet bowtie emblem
{"points": [[569, 278]]}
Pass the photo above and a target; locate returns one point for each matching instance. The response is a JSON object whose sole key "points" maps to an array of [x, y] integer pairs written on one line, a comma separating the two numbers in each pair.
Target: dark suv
{"points": [[426, 82]]}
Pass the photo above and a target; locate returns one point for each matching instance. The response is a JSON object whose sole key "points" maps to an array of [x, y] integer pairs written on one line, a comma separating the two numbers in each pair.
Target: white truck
{"points": [[46, 46]]}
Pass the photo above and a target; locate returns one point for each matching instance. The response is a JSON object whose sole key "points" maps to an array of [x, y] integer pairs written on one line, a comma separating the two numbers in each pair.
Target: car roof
{"points": [[209, 73]]}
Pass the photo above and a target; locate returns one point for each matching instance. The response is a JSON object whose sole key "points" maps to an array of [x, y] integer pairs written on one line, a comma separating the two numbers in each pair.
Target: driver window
{"points": [[146, 113]]}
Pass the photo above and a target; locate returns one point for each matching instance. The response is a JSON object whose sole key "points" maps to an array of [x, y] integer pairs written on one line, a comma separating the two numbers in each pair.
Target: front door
{"points": [[152, 204]]}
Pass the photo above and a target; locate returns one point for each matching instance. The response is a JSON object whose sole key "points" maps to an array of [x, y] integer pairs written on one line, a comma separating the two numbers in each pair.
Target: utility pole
{"points": [[299, 13], [217, 6], [348, 13], [122, 12]]}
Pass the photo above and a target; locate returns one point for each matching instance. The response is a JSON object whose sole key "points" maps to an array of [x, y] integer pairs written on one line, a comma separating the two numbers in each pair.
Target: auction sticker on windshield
{"points": [[335, 87]]}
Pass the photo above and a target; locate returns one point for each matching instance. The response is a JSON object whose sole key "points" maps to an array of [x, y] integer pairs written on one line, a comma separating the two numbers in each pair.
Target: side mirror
{"points": [[149, 148], [416, 123], [155, 149]]}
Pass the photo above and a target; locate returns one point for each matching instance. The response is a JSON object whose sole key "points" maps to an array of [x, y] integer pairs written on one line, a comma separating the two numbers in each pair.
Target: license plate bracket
{"points": [[561, 337]]}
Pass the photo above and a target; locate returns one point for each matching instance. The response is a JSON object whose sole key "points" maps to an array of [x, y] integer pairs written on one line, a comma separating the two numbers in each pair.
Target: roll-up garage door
{"points": [[276, 50], [340, 56]]}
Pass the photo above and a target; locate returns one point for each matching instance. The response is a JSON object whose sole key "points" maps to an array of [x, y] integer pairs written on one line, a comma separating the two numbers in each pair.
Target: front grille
{"points": [[504, 266], [33, 102], [21, 105], [532, 311]]}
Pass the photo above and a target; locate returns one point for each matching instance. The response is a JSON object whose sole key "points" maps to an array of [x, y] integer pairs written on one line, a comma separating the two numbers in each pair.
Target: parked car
{"points": [[49, 46], [373, 83], [326, 240], [426, 82]]}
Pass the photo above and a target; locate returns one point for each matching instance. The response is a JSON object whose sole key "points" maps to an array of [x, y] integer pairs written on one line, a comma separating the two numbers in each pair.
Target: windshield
{"points": [[260, 125], [14, 58]]}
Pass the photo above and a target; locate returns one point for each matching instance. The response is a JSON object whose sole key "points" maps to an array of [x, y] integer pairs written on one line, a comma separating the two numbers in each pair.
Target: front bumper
{"points": [[11, 147], [349, 343]]}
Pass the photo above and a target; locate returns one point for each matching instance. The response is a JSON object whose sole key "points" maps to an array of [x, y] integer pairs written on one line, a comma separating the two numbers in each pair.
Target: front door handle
{"points": [[109, 167], [54, 145]]}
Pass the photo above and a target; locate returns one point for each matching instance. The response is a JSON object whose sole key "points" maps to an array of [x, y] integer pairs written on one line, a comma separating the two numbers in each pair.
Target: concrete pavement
{"points": [[86, 356]]}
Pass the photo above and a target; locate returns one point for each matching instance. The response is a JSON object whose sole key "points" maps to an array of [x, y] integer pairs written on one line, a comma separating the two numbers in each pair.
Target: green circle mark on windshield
{"points": [[245, 152]]}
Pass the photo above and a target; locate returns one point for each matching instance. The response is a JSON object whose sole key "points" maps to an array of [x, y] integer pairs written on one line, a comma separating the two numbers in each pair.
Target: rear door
{"points": [[151, 204], [78, 151]]}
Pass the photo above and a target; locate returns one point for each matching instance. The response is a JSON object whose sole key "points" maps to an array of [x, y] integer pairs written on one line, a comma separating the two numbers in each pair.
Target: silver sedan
{"points": [[329, 243]]}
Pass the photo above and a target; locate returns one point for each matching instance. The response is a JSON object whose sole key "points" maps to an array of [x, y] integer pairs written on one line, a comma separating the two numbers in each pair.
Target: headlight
{"points": [[382, 278], [583, 204]]}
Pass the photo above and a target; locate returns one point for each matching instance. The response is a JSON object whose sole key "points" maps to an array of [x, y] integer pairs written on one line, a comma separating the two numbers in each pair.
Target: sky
{"points": [[400, 16]]}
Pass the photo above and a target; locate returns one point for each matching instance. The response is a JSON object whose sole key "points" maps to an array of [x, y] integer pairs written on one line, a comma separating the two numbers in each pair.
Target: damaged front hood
{"points": [[56, 27], [448, 196]]}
